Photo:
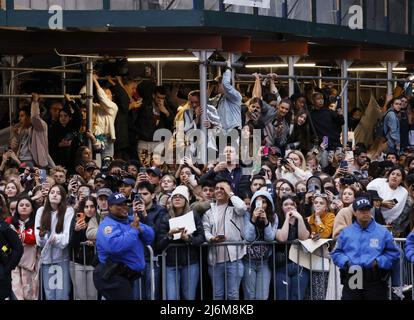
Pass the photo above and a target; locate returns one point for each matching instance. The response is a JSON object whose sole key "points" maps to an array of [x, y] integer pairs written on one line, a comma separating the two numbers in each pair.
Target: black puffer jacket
{"points": [[180, 257]]}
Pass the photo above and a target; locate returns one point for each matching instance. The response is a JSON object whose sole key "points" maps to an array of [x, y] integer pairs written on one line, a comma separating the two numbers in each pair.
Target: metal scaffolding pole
{"points": [[159, 74], [18, 69], [203, 100], [44, 96], [249, 76], [63, 75], [344, 85], [89, 95], [13, 80], [291, 66]]}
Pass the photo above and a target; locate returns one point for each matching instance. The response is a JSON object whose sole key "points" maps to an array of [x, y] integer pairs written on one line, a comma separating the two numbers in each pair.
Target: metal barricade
{"points": [[296, 276]]}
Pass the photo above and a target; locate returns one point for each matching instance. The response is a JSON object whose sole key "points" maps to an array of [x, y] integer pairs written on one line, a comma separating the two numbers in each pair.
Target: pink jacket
{"points": [[39, 144]]}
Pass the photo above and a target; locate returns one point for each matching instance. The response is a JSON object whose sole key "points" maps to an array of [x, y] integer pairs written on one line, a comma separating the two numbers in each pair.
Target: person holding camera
{"points": [[260, 225], [150, 213], [293, 168], [120, 246], [369, 249]]}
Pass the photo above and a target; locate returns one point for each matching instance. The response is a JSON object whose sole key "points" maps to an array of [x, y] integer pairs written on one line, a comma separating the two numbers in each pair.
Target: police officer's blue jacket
{"points": [[409, 248], [361, 247], [122, 243]]}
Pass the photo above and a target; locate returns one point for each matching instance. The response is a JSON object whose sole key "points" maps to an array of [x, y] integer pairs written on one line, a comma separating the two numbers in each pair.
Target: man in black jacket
{"points": [[327, 123], [151, 116], [11, 251], [150, 214]]}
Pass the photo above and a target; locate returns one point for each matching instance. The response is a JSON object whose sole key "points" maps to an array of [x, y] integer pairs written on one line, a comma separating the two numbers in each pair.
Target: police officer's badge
{"points": [[108, 230]]}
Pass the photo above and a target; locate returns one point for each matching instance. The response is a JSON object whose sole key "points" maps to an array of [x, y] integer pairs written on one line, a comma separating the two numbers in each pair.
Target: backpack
{"points": [[379, 130]]}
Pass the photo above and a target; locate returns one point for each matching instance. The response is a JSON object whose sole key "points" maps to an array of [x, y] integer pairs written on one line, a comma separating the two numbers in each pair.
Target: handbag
{"points": [[312, 261]]}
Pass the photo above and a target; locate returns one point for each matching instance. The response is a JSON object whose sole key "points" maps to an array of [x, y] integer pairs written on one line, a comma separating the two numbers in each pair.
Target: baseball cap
{"points": [[91, 165], [100, 176], [155, 171], [116, 198], [361, 203], [128, 181], [104, 192]]}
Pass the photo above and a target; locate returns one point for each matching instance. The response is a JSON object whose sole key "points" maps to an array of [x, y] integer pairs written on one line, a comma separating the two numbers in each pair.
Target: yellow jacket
{"points": [[325, 228]]}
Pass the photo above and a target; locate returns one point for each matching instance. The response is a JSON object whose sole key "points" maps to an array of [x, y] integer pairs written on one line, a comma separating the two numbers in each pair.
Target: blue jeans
{"points": [[226, 278], [56, 281], [289, 280], [396, 274], [182, 282], [142, 287], [256, 280]]}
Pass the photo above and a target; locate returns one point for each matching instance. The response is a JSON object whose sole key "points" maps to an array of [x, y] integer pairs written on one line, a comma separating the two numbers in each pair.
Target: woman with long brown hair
{"points": [[52, 229]]}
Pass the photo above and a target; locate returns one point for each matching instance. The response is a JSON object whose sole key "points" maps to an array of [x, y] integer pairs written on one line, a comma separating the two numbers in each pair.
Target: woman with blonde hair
{"points": [[294, 169]]}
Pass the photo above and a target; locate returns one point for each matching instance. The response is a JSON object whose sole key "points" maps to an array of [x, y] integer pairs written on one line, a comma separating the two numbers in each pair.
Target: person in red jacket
{"points": [[25, 280]]}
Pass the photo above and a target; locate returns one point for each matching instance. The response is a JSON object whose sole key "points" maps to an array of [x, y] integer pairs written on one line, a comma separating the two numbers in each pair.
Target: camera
{"points": [[284, 162], [348, 180]]}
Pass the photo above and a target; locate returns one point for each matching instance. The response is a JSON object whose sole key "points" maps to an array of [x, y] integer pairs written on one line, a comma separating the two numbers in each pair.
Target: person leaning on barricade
{"points": [[260, 225], [120, 246], [82, 251], [183, 268], [224, 222], [365, 252]]}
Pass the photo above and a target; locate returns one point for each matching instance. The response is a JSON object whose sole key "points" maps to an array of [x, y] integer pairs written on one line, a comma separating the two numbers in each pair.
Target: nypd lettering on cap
{"points": [[362, 203]]}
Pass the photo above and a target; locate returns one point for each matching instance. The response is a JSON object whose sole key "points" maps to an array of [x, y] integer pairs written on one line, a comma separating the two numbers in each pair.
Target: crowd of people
{"points": [[88, 212]]}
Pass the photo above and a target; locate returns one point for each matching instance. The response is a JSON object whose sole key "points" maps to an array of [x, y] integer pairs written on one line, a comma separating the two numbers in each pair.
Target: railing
{"points": [[288, 280], [277, 276], [381, 15]]}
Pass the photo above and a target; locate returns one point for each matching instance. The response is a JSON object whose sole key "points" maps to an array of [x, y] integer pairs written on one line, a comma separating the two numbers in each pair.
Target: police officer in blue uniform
{"points": [[365, 252], [120, 246], [11, 251]]}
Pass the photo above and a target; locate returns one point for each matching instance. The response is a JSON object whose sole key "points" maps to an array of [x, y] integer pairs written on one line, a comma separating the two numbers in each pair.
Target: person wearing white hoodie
{"points": [[52, 230]]}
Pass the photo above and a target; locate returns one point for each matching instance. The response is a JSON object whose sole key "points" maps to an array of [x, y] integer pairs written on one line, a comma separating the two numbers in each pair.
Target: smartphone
{"points": [[395, 201], [138, 197], [221, 236], [69, 136], [259, 203], [325, 140], [80, 216], [42, 175], [142, 170], [344, 164]]}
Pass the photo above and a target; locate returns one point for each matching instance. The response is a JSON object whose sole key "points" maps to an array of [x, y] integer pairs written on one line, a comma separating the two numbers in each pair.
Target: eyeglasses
{"points": [[320, 195], [285, 189]]}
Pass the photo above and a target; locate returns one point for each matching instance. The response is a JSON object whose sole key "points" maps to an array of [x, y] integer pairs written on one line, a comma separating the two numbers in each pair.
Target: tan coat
{"points": [[342, 220]]}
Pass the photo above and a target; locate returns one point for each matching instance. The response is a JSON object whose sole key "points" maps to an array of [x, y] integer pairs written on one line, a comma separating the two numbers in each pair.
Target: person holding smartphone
{"points": [[151, 214], [260, 225], [83, 251]]}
